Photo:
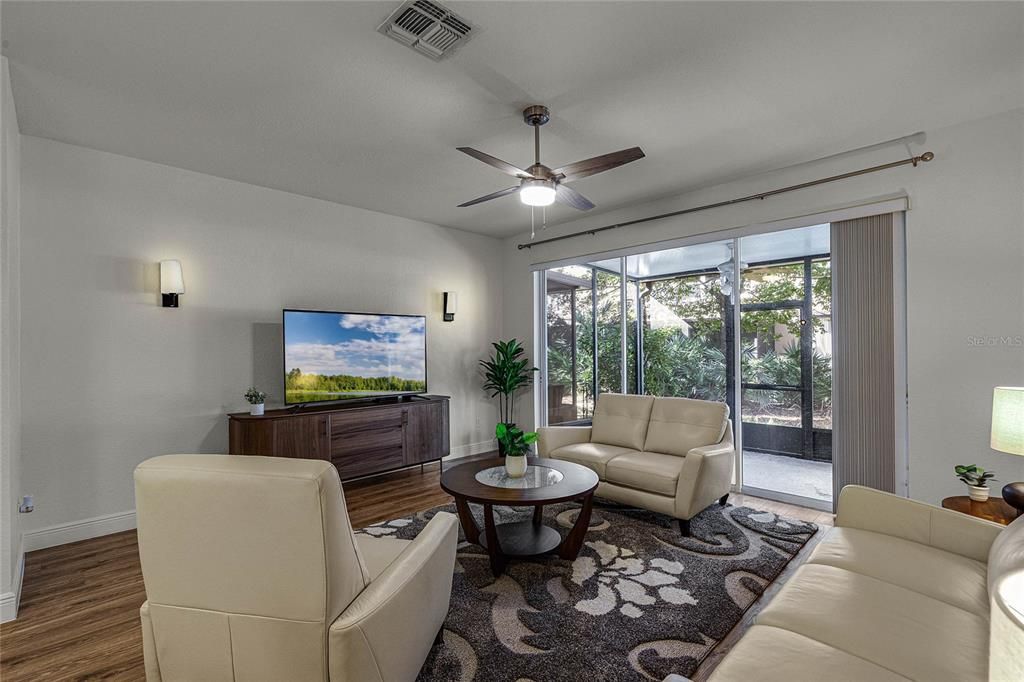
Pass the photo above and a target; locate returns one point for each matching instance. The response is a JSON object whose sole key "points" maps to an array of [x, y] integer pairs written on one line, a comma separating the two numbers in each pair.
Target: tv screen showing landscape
{"points": [[341, 356]]}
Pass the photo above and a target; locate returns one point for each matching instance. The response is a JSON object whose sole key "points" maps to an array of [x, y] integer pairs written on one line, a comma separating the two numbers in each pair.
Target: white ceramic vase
{"points": [[515, 465], [978, 493], [256, 410]]}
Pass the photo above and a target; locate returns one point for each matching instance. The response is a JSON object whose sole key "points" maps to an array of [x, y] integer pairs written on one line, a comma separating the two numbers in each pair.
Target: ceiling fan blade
{"points": [[503, 166], [570, 197], [598, 164], [492, 195]]}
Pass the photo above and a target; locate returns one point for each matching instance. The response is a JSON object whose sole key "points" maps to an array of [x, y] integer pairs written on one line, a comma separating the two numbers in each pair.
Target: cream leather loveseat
{"points": [[898, 590], [670, 455], [252, 572]]}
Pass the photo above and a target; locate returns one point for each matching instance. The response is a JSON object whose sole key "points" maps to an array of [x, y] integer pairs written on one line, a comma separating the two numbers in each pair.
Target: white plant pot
{"points": [[978, 493], [256, 410], [515, 465]]}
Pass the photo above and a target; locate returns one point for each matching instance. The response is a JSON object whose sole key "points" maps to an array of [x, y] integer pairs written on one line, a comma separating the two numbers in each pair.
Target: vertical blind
{"points": [[863, 390]]}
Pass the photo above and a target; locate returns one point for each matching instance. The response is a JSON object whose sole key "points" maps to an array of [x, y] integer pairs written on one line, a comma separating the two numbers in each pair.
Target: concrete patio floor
{"points": [[790, 475]]}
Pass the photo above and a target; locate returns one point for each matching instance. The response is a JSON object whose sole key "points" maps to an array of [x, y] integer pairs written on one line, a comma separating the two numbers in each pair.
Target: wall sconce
{"points": [[451, 305], [172, 283]]}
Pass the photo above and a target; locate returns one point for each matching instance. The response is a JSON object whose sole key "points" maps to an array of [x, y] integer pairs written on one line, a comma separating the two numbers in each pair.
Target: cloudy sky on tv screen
{"points": [[337, 355]]}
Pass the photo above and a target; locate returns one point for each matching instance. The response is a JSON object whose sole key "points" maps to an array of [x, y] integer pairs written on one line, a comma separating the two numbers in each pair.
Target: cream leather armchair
{"points": [[670, 455], [252, 572]]}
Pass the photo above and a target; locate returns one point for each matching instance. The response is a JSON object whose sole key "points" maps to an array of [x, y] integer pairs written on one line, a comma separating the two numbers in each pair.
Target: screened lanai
{"points": [[668, 323]]}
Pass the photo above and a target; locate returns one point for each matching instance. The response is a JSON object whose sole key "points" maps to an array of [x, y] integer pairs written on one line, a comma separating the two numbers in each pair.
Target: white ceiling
{"points": [[309, 98]]}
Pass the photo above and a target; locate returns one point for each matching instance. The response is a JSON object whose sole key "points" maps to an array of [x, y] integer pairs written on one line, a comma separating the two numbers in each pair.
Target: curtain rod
{"points": [[914, 160]]}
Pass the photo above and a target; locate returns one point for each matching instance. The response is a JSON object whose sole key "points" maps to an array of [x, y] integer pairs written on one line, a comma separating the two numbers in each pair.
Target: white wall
{"points": [[111, 378], [10, 446], [965, 263]]}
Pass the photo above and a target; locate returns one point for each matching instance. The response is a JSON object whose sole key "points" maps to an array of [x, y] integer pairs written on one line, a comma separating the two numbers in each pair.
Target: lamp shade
{"points": [[171, 279], [1008, 419]]}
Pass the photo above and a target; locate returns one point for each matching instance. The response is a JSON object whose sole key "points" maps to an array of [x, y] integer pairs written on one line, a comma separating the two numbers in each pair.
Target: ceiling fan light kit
{"points": [[537, 192], [540, 185]]}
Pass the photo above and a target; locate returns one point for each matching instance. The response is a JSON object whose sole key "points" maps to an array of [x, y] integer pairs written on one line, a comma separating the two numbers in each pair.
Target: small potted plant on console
{"points": [[255, 398], [976, 479], [516, 446]]}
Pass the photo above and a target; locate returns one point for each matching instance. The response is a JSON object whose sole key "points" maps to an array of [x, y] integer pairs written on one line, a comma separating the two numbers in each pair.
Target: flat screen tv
{"points": [[332, 356]]}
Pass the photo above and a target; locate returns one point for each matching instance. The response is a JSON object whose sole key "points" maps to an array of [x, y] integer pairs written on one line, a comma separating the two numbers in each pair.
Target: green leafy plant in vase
{"points": [[516, 445], [507, 371], [256, 399], [976, 479]]}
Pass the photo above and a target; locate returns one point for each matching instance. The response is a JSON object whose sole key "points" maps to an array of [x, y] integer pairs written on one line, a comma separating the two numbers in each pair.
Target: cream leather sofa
{"points": [[252, 572], [670, 455], [898, 590]]}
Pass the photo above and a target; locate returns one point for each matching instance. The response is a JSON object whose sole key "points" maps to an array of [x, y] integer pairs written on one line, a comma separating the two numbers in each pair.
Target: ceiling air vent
{"points": [[427, 27]]}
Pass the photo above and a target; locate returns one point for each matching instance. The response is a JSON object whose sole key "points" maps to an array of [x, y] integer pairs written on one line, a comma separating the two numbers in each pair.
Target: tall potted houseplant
{"points": [[505, 373]]}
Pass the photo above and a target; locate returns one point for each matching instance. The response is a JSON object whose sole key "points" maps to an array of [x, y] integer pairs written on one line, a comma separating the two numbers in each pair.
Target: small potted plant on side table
{"points": [[976, 479], [516, 445], [255, 398]]}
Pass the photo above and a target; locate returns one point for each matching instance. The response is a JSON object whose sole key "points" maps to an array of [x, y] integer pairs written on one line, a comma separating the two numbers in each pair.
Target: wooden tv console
{"points": [[360, 439]]}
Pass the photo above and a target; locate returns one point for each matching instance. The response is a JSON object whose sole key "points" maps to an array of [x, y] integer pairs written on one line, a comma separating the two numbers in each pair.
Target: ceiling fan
{"points": [[542, 186]]}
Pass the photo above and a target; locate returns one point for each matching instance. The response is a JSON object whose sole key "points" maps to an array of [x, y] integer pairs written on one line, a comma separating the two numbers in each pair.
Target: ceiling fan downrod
{"points": [[536, 116]]}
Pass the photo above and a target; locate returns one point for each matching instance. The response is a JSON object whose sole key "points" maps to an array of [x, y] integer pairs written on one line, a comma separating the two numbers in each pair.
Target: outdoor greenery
{"points": [[514, 443], [972, 474], [683, 336], [303, 388]]}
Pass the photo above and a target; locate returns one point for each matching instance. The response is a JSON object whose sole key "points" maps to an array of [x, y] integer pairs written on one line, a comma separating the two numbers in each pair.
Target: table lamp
{"points": [[1008, 435]]}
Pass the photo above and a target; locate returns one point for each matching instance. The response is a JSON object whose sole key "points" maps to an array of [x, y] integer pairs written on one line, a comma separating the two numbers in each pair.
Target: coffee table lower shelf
{"points": [[524, 539]]}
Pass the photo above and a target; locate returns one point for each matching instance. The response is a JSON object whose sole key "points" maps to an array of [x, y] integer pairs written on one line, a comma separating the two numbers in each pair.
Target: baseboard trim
{"points": [[471, 449], [10, 601], [8, 606], [64, 533]]}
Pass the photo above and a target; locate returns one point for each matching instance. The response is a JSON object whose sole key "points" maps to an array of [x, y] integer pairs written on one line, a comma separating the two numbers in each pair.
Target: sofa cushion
{"points": [[621, 420], [680, 424], [594, 456], [770, 654], [949, 577], [898, 629], [651, 471]]}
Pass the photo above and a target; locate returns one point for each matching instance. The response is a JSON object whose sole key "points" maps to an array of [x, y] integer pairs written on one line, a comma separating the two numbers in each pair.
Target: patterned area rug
{"points": [[639, 602]]}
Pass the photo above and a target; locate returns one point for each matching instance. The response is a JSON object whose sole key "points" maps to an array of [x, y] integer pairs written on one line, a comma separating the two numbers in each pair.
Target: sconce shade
{"points": [[1008, 419], [451, 305], [171, 279], [172, 282]]}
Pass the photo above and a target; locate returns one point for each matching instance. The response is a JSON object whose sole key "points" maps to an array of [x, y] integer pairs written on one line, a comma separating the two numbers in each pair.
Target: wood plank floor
{"points": [[79, 615]]}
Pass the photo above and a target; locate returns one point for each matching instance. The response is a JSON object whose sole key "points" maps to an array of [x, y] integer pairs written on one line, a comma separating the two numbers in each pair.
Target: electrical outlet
{"points": [[28, 503]]}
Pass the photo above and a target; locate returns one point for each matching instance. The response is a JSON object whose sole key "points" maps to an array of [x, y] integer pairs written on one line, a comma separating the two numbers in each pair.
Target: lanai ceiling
{"points": [[309, 98]]}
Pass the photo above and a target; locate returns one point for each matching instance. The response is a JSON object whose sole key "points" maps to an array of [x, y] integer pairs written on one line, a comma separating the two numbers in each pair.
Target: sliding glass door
{"points": [[785, 382], [570, 299], [744, 321]]}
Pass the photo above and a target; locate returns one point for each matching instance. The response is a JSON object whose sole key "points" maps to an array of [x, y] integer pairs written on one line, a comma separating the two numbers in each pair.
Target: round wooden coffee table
{"points": [[547, 481]]}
